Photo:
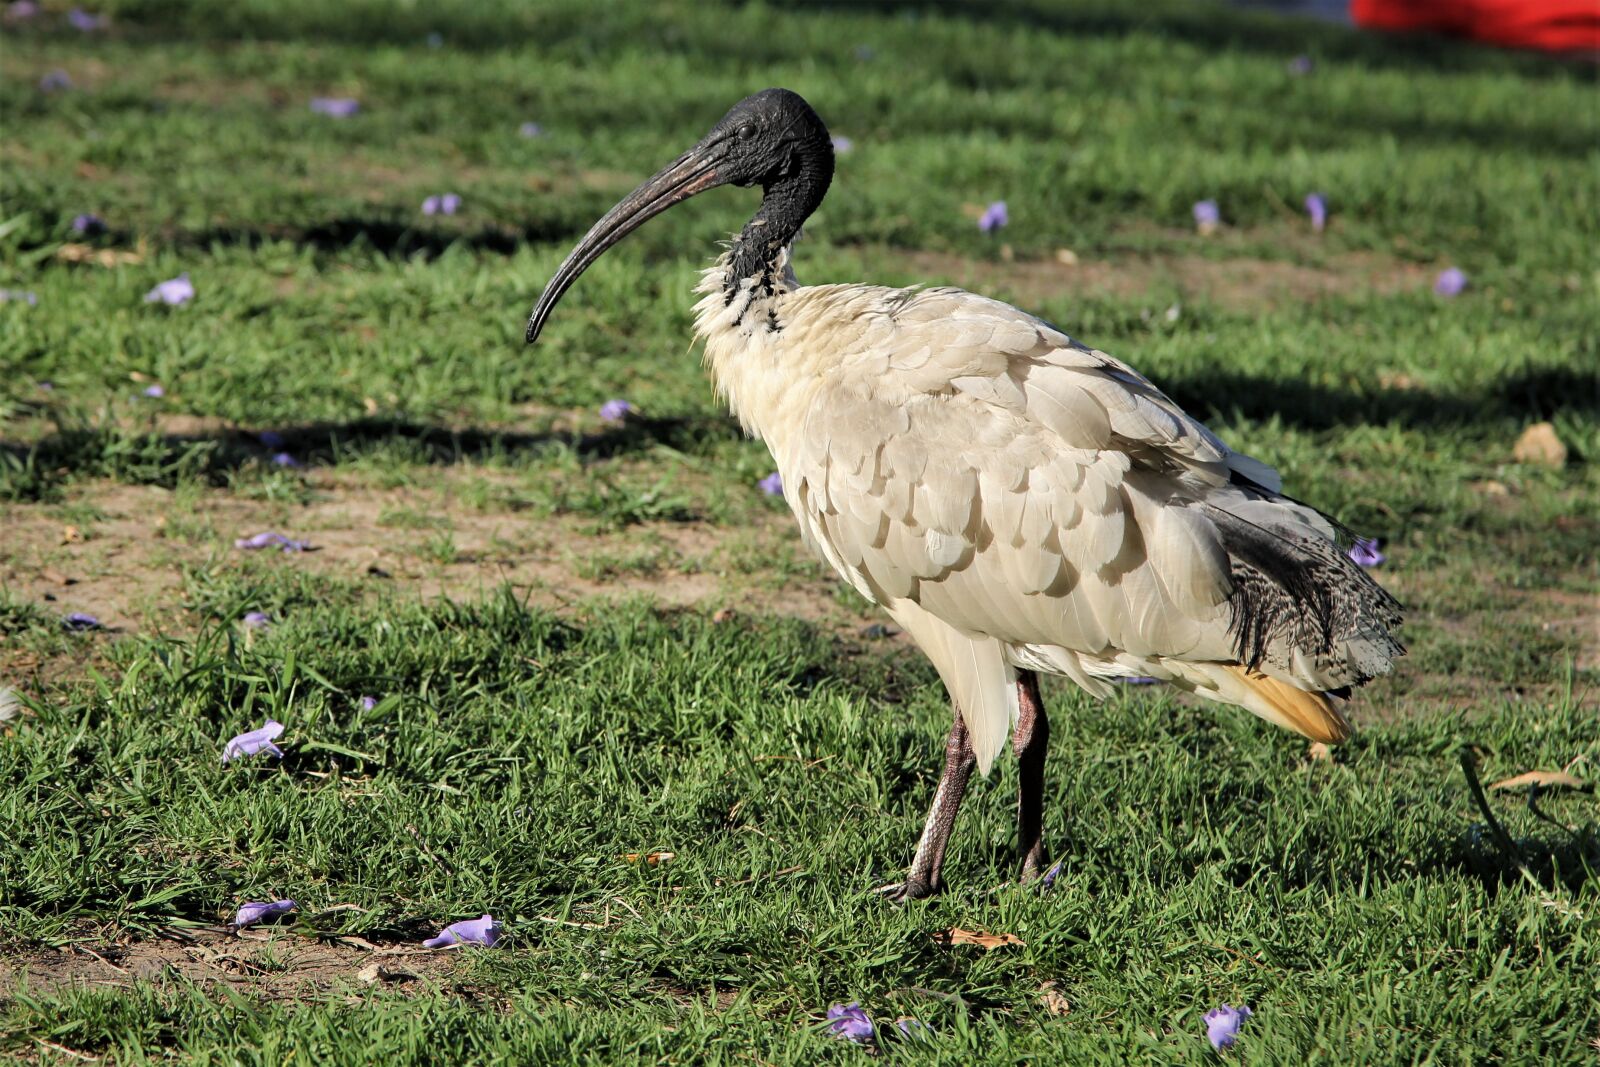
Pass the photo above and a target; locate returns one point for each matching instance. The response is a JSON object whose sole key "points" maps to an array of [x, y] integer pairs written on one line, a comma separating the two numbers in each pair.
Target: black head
{"points": [[772, 139]]}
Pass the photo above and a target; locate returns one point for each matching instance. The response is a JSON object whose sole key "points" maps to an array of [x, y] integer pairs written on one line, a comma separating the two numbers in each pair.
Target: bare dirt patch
{"points": [[1240, 283], [269, 964], [127, 563]]}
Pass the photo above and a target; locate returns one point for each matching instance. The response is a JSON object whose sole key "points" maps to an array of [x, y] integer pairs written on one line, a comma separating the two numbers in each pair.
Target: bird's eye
{"points": [[746, 132]]}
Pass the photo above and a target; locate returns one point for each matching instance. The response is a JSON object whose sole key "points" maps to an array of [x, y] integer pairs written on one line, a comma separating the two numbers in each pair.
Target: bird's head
{"points": [[772, 139]]}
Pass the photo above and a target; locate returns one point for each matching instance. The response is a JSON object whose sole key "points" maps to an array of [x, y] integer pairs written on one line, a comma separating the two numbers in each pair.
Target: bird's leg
{"points": [[924, 880], [1031, 740]]}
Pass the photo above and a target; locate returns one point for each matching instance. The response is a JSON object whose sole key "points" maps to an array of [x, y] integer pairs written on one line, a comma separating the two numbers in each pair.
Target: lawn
{"points": [[579, 673]]}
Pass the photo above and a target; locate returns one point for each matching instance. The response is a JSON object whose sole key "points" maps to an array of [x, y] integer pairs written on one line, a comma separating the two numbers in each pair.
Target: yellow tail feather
{"points": [[1309, 714]]}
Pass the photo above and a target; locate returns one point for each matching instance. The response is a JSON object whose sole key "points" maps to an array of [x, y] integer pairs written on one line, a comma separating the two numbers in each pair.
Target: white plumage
{"points": [[1012, 498]]}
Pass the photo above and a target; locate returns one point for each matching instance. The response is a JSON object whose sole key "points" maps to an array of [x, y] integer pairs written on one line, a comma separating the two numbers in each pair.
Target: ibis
{"points": [[1017, 502]]}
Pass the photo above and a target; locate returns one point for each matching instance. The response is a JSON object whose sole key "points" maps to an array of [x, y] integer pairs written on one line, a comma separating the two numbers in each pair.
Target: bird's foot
{"points": [[1033, 866], [908, 890]]}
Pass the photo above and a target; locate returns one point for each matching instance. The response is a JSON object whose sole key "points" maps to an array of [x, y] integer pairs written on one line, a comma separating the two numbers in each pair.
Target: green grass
{"points": [[1360, 907]]}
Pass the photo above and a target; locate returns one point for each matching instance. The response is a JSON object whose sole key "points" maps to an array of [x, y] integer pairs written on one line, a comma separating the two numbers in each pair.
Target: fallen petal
{"points": [[772, 484], [254, 742], [994, 216], [154, 392], [81, 621], [257, 620], [270, 539], [850, 1021], [21, 296], [1207, 216], [88, 223], [257, 910], [615, 410], [530, 129], [339, 107], [1222, 1024], [1450, 282], [173, 291], [481, 931], [1317, 208]]}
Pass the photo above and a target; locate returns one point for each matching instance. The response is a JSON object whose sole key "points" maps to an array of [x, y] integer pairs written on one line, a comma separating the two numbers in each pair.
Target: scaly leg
{"points": [[1031, 740], [924, 880]]}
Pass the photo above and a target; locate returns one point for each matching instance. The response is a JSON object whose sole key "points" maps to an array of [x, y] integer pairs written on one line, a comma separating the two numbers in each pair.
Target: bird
{"points": [[1018, 502]]}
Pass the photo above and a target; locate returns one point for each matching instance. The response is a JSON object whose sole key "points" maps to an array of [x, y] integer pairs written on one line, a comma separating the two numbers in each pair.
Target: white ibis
{"points": [[1016, 501]]}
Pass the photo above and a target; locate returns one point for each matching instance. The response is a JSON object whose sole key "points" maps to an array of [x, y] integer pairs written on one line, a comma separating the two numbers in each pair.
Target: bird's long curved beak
{"points": [[694, 172]]}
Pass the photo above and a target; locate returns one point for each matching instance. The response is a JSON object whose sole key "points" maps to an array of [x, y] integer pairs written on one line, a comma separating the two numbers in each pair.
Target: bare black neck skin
{"points": [[790, 194]]}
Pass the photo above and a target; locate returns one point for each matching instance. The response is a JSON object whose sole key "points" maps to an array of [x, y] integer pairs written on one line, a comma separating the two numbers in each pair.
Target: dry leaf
{"points": [[370, 404], [50, 574], [386, 972], [104, 257], [1320, 752], [988, 942], [71, 535], [1539, 444], [722, 615], [1053, 1002], [1066, 257], [654, 859], [358, 942], [1547, 779], [1490, 487]]}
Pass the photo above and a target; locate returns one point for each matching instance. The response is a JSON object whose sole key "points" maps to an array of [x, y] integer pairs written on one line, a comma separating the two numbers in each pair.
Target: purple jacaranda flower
{"points": [[1138, 679], [270, 438], [271, 539], [483, 931], [1317, 208], [284, 459], [22, 9], [994, 216], [88, 223], [54, 81], [79, 620], [1207, 217], [1301, 65], [772, 484], [84, 22], [368, 703], [48, 387], [443, 204], [174, 291], [257, 620], [850, 1021], [20, 296], [254, 742], [864, 52], [435, 40], [338, 107], [530, 129], [1365, 552], [1450, 282], [1051, 875], [256, 910], [154, 392], [842, 145], [1222, 1024], [615, 410]]}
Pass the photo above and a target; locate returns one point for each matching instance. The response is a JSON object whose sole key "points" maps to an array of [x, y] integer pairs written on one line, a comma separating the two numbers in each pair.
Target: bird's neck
{"points": [[742, 327], [787, 200]]}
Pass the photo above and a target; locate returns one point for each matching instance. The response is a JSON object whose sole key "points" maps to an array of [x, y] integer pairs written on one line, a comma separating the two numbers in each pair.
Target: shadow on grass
{"points": [[34, 472]]}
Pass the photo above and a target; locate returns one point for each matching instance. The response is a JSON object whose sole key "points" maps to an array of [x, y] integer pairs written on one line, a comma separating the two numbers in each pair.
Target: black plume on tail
{"points": [[1297, 592]]}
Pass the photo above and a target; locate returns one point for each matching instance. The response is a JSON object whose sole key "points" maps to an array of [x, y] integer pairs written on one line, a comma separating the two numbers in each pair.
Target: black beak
{"points": [[695, 172]]}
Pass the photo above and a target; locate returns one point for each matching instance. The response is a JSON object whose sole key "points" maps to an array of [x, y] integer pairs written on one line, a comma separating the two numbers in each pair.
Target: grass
{"points": [[532, 593]]}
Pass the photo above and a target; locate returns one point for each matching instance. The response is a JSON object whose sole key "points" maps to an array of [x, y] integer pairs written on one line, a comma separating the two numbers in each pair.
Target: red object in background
{"points": [[1550, 25]]}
